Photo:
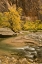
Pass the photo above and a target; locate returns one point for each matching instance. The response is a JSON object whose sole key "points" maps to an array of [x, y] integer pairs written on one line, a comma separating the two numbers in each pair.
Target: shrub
{"points": [[3, 20], [32, 25]]}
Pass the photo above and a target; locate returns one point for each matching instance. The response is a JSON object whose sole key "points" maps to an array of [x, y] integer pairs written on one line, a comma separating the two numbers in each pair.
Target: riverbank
{"points": [[14, 48]]}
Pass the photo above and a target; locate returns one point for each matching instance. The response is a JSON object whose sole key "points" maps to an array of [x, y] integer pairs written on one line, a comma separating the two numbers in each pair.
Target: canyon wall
{"points": [[30, 8]]}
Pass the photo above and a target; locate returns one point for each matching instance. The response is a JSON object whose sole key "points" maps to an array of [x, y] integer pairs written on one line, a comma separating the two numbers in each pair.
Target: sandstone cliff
{"points": [[30, 8]]}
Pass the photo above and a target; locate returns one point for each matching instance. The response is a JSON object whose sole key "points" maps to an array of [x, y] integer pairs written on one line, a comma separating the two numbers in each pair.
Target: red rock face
{"points": [[30, 7], [3, 5]]}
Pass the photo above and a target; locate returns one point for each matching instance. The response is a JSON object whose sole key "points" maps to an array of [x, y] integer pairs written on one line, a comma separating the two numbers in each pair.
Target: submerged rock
{"points": [[29, 52]]}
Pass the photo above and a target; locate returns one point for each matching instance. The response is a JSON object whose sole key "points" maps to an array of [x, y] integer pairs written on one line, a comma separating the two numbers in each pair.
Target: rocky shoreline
{"points": [[26, 49], [25, 55], [13, 60]]}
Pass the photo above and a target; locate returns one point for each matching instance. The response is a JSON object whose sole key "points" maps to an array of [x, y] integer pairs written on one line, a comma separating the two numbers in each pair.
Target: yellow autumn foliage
{"points": [[3, 21], [14, 19], [36, 25]]}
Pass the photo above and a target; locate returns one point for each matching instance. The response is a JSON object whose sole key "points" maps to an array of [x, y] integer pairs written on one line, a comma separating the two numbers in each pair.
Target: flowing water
{"points": [[27, 46]]}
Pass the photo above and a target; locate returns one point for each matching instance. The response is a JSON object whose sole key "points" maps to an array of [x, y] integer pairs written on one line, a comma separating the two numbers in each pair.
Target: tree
{"points": [[14, 19]]}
